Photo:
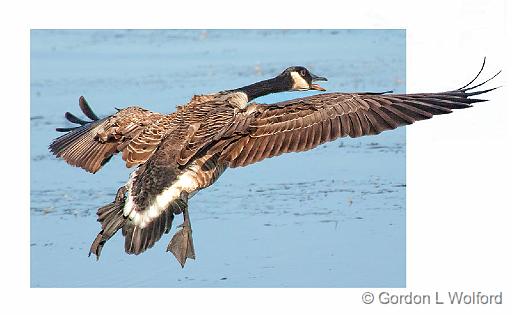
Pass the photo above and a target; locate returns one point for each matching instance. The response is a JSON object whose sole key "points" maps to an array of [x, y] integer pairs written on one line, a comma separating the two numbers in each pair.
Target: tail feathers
{"points": [[138, 240], [112, 219]]}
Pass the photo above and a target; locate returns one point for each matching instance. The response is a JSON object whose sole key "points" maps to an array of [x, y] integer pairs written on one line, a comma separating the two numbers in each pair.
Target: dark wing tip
{"points": [[65, 129], [477, 75], [373, 93], [479, 92], [466, 87], [483, 83], [86, 109], [74, 119], [468, 90]]}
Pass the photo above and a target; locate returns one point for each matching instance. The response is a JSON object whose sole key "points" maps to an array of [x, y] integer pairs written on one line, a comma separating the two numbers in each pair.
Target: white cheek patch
{"points": [[299, 83]]}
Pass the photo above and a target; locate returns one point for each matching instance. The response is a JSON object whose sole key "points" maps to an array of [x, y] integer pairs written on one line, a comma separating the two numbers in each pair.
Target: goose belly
{"points": [[197, 175]]}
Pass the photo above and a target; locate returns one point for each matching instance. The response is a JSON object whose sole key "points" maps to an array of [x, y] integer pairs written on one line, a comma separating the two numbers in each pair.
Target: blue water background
{"points": [[330, 217]]}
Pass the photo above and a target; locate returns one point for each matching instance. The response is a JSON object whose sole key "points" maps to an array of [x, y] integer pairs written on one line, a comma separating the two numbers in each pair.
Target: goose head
{"points": [[300, 78], [292, 78]]}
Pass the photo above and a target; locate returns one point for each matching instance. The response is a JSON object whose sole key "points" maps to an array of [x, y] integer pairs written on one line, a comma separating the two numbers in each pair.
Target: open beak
{"points": [[315, 86]]}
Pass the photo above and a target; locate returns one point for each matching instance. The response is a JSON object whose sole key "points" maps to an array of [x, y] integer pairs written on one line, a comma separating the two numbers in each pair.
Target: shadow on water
{"points": [[330, 217]]}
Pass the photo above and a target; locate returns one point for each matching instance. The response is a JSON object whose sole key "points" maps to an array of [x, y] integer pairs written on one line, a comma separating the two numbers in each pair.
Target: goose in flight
{"points": [[183, 152]]}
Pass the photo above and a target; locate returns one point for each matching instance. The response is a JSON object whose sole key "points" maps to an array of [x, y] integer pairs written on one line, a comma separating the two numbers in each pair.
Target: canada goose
{"points": [[183, 152]]}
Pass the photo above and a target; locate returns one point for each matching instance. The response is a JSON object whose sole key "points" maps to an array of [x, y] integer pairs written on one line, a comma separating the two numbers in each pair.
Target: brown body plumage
{"points": [[183, 152]]}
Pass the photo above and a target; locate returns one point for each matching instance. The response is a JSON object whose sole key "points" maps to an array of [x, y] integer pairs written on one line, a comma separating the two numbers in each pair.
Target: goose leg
{"points": [[181, 244]]}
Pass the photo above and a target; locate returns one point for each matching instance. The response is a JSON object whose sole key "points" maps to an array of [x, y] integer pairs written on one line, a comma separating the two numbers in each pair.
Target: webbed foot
{"points": [[181, 245]]}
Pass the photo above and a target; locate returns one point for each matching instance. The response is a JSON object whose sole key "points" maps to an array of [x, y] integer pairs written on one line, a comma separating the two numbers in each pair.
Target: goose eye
{"points": [[303, 72]]}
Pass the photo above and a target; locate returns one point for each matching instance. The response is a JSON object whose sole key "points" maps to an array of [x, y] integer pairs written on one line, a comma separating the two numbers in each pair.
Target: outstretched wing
{"points": [[134, 131], [302, 124]]}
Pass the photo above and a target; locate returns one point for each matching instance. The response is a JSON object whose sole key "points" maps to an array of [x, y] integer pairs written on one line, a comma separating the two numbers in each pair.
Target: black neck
{"points": [[265, 87]]}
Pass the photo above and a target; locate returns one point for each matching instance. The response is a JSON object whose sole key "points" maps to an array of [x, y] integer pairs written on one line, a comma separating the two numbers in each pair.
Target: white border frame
{"points": [[458, 166]]}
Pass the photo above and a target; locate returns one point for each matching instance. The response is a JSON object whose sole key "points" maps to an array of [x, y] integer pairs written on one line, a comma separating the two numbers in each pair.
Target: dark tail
{"points": [[111, 218], [138, 240]]}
